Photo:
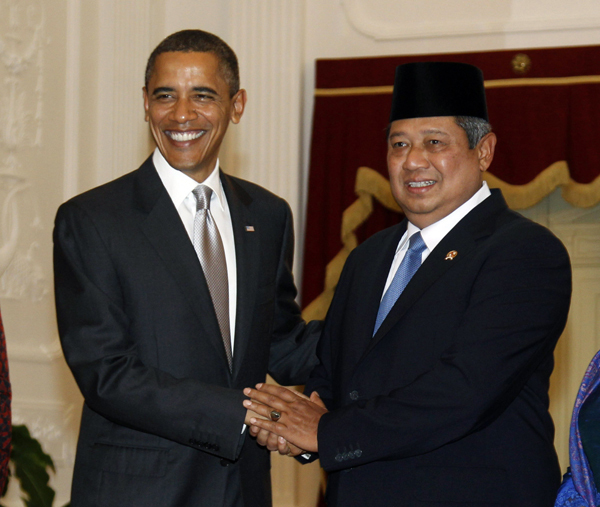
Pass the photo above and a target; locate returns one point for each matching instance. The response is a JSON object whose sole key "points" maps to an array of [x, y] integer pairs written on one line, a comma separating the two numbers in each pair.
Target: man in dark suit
{"points": [[437, 349], [174, 290]]}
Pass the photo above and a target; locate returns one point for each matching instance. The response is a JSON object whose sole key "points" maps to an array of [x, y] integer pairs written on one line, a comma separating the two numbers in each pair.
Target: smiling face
{"points": [[432, 170], [189, 108]]}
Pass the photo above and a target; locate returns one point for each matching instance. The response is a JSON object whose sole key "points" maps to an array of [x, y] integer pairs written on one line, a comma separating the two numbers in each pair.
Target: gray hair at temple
{"points": [[475, 128], [188, 41]]}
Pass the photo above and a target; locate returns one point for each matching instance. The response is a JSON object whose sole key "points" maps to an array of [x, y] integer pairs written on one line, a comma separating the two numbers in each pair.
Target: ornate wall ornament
{"points": [[49, 422], [521, 64], [21, 112], [21, 56], [23, 278], [10, 185]]}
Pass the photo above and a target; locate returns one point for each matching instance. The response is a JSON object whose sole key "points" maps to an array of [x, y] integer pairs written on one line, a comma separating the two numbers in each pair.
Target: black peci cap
{"points": [[424, 89]]}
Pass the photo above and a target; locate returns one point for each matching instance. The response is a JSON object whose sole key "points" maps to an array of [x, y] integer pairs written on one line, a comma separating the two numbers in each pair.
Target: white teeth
{"points": [[184, 136], [418, 184]]}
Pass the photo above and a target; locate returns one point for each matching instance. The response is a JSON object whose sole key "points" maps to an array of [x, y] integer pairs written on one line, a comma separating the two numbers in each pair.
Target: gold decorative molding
{"points": [[521, 64], [358, 90]]}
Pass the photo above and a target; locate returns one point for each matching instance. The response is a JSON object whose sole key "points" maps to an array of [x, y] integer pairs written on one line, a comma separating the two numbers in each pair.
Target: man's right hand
{"points": [[270, 440]]}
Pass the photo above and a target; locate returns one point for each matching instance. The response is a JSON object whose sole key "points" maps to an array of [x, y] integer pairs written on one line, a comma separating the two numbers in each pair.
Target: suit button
{"points": [[354, 395], [224, 463]]}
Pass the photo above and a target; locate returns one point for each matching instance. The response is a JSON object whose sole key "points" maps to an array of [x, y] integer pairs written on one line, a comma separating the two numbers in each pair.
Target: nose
{"points": [[415, 159], [183, 111]]}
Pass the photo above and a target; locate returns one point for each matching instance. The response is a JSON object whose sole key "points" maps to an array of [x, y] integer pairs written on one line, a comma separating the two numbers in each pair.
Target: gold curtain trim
{"points": [[370, 184], [556, 175], [541, 81], [492, 83], [359, 90]]}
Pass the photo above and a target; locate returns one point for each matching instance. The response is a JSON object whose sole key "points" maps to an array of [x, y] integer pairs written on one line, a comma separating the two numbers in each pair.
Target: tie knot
{"points": [[416, 243], [202, 193]]}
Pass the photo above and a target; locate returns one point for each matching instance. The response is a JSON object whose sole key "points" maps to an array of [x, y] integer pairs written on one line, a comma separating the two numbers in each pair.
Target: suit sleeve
{"points": [[294, 342], [516, 310], [101, 352]]}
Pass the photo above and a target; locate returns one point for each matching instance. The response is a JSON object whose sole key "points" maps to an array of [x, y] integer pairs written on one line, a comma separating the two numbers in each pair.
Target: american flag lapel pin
{"points": [[249, 228], [450, 255]]}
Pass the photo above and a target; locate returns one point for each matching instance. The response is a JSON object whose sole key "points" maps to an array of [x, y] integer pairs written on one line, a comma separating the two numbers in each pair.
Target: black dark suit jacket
{"points": [[448, 403], [163, 416]]}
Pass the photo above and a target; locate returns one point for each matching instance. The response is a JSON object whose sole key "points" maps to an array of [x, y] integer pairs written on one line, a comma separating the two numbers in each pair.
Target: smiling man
{"points": [[174, 290], [437, 348]]}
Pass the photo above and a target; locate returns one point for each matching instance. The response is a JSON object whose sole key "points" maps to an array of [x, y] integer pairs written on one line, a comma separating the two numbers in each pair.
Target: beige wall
{"points": [[71, 118]]}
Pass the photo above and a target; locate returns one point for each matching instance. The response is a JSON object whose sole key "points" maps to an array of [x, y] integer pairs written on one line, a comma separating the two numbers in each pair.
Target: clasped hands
{"points": [[295, 431]]}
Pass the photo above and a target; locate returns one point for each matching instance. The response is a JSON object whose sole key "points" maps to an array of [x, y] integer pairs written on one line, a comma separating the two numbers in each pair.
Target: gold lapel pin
{"points": [[450, 255]]}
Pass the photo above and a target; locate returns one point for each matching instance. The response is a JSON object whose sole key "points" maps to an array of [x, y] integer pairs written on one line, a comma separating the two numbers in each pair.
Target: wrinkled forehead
{"points": [[428, 125]]}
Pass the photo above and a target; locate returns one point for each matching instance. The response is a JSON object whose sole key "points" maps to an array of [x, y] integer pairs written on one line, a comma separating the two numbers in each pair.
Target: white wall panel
{"points": [[33, 69], [393, 20], [124, 46], [267, 36]]}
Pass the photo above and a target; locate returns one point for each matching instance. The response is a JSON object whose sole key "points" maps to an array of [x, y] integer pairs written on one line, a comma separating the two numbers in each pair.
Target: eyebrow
{"points": [[162, 89], [422, 132], [435, 131], [167, 89], [204, 89]]}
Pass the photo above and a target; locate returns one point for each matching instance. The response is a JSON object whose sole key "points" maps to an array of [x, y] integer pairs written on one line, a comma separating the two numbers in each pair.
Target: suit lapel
{"points": [[373, 282], [247, 260], [165, 231], [462, 239]]}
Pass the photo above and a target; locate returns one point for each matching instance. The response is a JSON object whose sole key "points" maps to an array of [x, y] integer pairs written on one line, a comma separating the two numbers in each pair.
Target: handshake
{"points": [[284, 420]]}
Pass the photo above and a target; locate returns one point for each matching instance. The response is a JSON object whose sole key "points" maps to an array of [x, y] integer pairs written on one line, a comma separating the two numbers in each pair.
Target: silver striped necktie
{"points": [[209, 247]]}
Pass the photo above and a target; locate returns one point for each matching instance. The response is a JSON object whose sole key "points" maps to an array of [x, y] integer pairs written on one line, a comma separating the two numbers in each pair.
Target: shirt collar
{"points": [[434, 233], [179, 185]]}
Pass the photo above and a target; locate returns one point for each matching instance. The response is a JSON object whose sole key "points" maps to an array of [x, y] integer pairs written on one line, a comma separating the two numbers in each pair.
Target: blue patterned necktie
{"points": [[408, 267], [209, 247]]}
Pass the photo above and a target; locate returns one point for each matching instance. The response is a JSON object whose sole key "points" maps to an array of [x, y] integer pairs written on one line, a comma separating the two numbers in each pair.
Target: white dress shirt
{"points": [[434, 233], [180, 186]]}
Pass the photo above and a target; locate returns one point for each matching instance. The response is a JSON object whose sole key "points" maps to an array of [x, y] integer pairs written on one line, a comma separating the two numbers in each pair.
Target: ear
{"points": [[146, 104], [239, 104], [485, 151]]}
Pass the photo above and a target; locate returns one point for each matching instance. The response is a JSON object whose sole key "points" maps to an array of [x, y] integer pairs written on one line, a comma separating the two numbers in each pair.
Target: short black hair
{"points": [[188, 41]]}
